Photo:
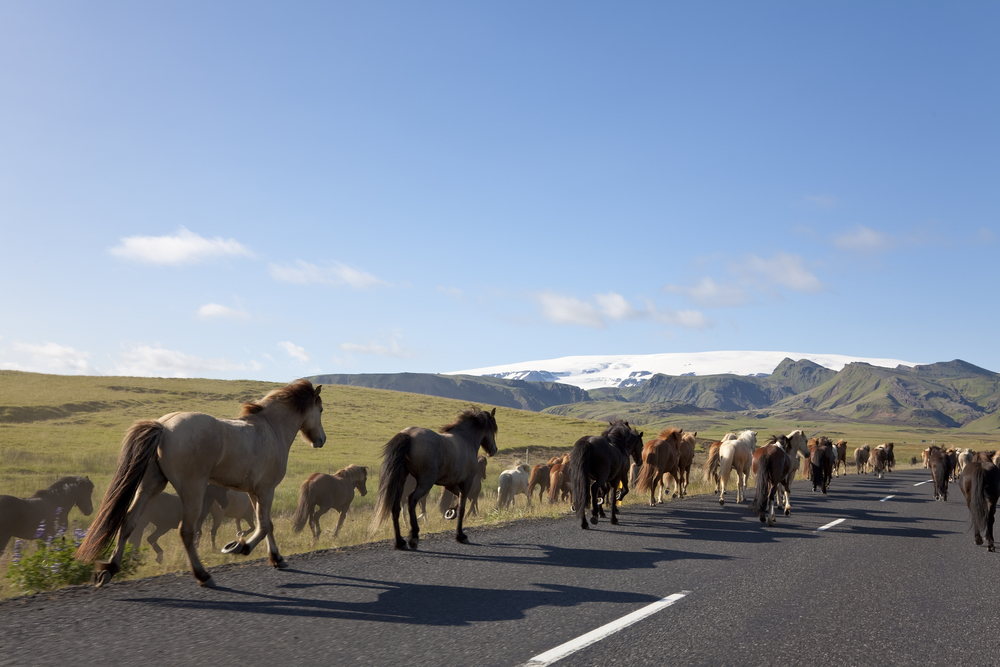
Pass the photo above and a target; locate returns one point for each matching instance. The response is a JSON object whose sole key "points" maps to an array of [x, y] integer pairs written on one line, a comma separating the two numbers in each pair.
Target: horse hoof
{"points": [[399, 546], [450, 514], [614, 521], [990, 549], [159, 558], [593, 520], [101, 577], [722, 502], [462, 539], [207, 583], [763, 519], [235, 547], [413, 544], [278, 563], [788, 512], [572, 508], [583, 524]]}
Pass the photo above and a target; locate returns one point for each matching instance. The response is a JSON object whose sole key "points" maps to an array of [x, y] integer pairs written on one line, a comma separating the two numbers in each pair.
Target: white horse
{"points": [[731, 453], [513, 482]]}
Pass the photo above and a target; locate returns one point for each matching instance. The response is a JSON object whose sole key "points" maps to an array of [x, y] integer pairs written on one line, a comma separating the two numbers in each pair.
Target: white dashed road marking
{"points": [[832, 524], [927, 482], [886, 498]]}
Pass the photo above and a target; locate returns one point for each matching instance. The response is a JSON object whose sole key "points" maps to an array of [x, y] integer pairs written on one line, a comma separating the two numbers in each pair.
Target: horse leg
{"points": [[154, 543], [419, 492], [400, 543], [317, 514], [192, 495], [462, 493], [340, 522], [788, 503], [153, 482], [989, 523], [595, 493]]}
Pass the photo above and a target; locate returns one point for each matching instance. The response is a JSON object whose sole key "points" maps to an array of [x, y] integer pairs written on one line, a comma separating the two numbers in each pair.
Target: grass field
{"points": [[52, 426]]}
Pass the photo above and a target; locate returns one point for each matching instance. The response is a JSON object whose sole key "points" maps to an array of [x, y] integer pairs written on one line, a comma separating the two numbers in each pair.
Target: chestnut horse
{"points": [[685, 458], [940, 465], [46, 511], [321, 493], [598, 464], [659, 456], [540, 478], [731, 453], [560, 482], [980, 483], [840, 449], [447, 459], [772, 466], [878, 459], [191, 450]]}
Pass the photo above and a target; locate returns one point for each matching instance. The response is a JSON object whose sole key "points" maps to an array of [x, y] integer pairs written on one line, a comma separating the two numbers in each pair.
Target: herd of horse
{"points": [[230, 468]]}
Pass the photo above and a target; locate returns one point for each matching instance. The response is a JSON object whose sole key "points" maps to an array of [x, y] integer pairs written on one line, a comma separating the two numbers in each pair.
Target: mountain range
{"points": [[954, 394]]}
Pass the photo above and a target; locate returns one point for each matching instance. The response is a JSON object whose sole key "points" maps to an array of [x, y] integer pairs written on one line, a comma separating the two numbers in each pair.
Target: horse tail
{"points": [[759, 504], [648, 473], [391, 477], [579, 473], [138, 453], [303, 509], [505, 492], [978, 507], [712, 465], [555, 485]]}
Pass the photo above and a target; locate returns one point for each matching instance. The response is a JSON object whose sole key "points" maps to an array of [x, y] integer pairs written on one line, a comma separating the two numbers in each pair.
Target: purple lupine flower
{"points": [[78, 535], [55, 567], [17, 552], [58, 511], [41, 530]]}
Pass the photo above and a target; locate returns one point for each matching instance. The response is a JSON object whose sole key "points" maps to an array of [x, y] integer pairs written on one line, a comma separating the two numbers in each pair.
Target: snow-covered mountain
{"points": [[624, 370]]}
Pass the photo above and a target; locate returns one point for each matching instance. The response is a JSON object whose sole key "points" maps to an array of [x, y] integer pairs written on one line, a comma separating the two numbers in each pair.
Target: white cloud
{"points": [[393, 349], [863, 239], [51, 358], [303, 273], [184, 247], [295, 351], [215, 311], [616, 307], [823, 201], [709, 294], [150, 361], [781, 269], [560, 309]]}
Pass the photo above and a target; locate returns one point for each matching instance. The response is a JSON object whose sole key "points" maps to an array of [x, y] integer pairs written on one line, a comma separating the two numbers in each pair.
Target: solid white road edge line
{"points": [[574, 645], [832, 524], [886, 498], [927, 482]]}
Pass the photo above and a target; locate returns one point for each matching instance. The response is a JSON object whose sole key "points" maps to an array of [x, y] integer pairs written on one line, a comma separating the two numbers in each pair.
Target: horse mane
{"points": [[298, 395], [63, 485], [352, 472], [472, 413], [669, 432]]}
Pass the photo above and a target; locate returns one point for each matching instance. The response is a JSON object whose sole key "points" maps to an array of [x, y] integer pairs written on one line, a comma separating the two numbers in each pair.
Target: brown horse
{"points": [[840, 449], [321, 493], [861, 455], [447, 459], [599, 464], [448, 504], [659, 456], [540, 478], [165, 512], [980, 483], [560, 482], [952, 453], [890, 458], [772, 466], [46, 512], [239, 507], [685, 458], [190, 450], [940, 465], [821, 458], [878, 460]]}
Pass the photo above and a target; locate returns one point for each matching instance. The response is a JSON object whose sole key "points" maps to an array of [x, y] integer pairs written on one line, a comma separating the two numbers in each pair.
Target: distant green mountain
{"points": [[534, 396]]}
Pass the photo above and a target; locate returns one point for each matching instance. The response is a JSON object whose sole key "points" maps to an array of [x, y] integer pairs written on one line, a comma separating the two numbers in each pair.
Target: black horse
{"points": [[598, 464], [940, 465], [980, 482]]}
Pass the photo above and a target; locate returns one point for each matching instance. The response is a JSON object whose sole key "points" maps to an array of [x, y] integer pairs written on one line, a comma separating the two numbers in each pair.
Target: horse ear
{"points": [[493, 413], [695, 434], [318, 387]]}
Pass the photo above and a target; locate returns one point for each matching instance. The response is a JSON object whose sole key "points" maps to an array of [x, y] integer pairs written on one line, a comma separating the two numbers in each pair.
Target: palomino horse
{"points": [[731, 453], [659, 456], [598, 464], [685, 458], [190, 450], [980, 483], [165, 512], [940, 466], [511, 483], [861, 455], [239, 507], [560, 482], [821, 461], [840, 449], [448, 504], [772, 466], [321, 493], [447, 459], [46, 510]]}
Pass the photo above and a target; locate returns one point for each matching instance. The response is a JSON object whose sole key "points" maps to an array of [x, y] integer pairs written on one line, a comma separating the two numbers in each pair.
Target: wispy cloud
{"points": [[782, 270], [452, 292], [709, 294], [50, 358], [212, 311], [295, 351], [184, 247], [864, 239], [611, 306], [392, 349], [823, 201], [337, 274], [560, 309], [154, 361]]}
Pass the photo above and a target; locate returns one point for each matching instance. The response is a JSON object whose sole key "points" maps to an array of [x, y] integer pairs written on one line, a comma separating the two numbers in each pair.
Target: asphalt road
{"points": [[897, 582]]}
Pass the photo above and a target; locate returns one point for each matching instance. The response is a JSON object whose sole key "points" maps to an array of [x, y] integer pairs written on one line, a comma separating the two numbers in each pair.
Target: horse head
{"points": [[489, 441], [362, 482], [312, 421], [84, 496]]}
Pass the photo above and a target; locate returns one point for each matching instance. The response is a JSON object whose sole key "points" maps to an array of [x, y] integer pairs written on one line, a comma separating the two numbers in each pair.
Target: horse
{"points": [[877, 460], [321, 493], [940, 466], [166, 512], [239, 507], [980, 483], [821, 458], [964, 458], [447, 459], [448, 504], [923, 456], [685, 458], [189, 450], [890, 459], [772, 466], [731, 453], [511, 483], [598, 464], [840, 449], [46, 511], [540, 478], [861, 455], [795, 442], [560, 486], [952, 453], [659, 456]]}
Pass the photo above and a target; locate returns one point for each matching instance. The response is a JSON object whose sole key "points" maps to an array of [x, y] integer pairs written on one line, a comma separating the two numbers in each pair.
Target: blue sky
{"points": [[247, 190]]}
